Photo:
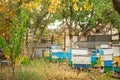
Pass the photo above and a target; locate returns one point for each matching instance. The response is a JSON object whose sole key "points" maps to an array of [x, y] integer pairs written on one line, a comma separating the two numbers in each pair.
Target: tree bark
{"points": [[116, 4]]}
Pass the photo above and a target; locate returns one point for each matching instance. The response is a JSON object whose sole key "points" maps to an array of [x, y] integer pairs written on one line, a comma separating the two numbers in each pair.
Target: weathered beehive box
{"points": [[106, 58], [116, 57], [55, 52], [81, 58]]}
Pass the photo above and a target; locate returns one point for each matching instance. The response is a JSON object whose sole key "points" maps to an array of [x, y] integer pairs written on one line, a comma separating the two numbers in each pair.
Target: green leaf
{"points": [[18, 12]]}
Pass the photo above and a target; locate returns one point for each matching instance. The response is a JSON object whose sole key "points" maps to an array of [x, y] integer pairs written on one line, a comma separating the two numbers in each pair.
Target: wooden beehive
{"points": [[116, 55], [81, 59], [117, 60]]}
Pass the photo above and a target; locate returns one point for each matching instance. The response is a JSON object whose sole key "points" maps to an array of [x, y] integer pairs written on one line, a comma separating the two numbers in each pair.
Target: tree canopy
{"points": [[78, 16]]}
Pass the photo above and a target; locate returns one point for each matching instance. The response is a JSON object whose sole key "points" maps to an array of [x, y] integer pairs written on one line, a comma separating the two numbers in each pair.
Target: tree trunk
{"points": [[12, 62], [116, 4], [31, 46], [65, 41], [13, 69]]}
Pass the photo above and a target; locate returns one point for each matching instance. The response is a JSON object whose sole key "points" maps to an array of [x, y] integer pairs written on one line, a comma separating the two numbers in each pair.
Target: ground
{"points": [[40, 69]]}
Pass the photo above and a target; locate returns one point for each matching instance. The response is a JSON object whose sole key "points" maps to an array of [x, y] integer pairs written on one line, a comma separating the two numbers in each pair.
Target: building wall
{"points": [[99, 38]]}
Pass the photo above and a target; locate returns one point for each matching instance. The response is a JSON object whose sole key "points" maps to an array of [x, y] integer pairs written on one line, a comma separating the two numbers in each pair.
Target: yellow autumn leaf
{"points": [[54, 5], [91, 5], [40, 0], [35, 5], [51, 9], [87, 6], [81, 8], [75, 7], [75, 0], [29, 4], [23, 5], [6, 56]]}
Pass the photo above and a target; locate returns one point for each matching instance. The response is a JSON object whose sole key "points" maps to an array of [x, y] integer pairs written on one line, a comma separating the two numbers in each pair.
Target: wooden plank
{"points": [[102, 62], [108, 51], [56, 50], [117, 59], [80, 52], [107, 57], [82, 60]]}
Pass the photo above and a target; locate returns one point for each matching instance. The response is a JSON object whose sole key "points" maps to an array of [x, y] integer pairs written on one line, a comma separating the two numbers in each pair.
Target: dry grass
{"points": [[45, 70]]}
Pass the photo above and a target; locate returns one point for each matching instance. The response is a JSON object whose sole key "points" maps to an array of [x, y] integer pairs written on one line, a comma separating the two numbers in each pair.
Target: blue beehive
{"points": [[59, 55]]}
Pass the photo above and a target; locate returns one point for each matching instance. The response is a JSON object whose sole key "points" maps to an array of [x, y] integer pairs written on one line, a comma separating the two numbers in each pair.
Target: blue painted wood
{"points": [[101, 52], [82, 66], [117, 69], [93, 58], [97, 50], [94, 52], [61, 54], [108, 63]]}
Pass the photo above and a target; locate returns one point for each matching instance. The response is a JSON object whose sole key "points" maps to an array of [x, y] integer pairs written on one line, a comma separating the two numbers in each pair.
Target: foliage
{"points": [[25, 60], [7, 12], [82, 16], [54, 4], [16, 35], [12, 45], [114, 18]]}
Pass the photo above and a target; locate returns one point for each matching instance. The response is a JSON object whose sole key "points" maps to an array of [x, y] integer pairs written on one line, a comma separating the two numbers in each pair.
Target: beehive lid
{"points": [[80, 51]]}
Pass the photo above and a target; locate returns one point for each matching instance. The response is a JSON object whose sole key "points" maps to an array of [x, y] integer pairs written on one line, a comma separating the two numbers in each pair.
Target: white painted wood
{"points": [[56, 50], [104, 46], [108, 51], [107, 57], [116, 51], [116, 54], [80, 52], [81, 59], [54, 57], [97, 54]]}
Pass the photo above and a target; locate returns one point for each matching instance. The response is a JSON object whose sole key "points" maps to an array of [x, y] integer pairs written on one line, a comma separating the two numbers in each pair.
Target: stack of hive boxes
{"points": [[106, 59], [116, 58], [82, 59]]}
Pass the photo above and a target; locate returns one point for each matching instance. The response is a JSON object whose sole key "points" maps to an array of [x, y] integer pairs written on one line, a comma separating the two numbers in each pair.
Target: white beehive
{"points": [[81, 59], [107, 51], [116, 50]]}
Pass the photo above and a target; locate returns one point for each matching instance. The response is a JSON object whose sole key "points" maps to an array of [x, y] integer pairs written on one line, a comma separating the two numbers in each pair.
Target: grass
{"points": [[41, 69]]}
